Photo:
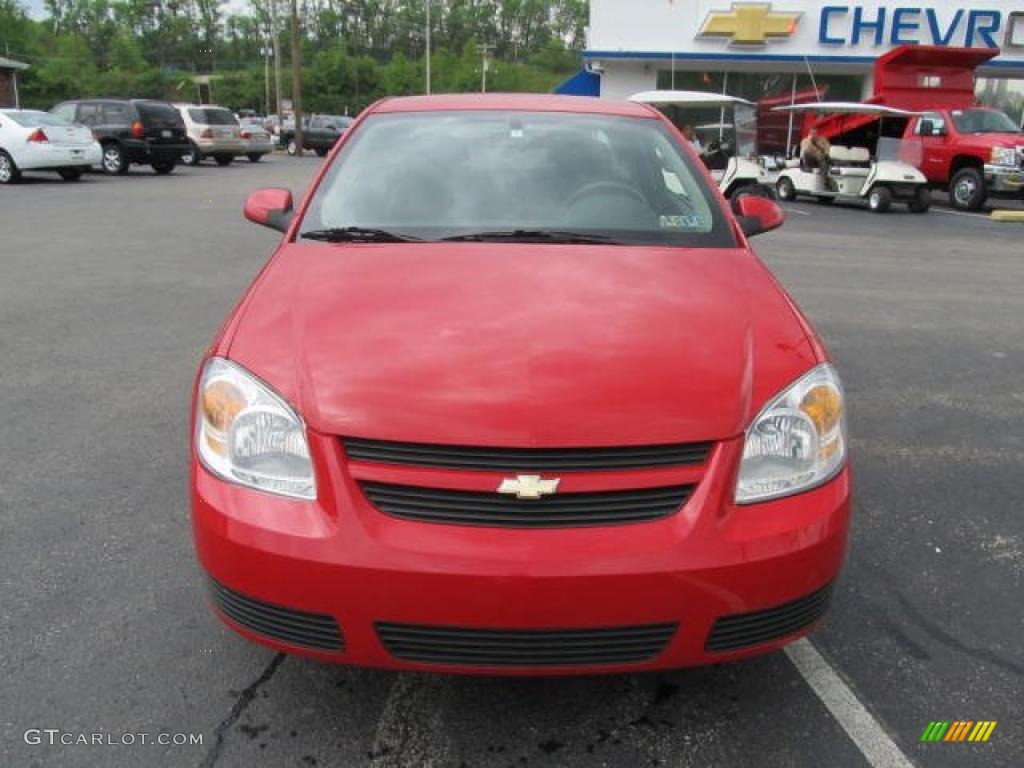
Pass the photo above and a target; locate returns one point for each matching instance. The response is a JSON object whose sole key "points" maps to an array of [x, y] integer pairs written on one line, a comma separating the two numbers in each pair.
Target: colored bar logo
{"points": [[958, 730]]}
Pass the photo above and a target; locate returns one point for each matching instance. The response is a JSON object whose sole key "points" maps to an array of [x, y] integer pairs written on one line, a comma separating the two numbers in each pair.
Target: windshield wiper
{"points": [[531, 236], [358, 235]]}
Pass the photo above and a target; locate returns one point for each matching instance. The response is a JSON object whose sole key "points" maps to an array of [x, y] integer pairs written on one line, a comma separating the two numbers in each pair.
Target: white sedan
{"points": [[38, 141]]}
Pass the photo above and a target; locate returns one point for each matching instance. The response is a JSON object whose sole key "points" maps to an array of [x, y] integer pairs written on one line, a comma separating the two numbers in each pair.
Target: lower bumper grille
{"points": [[566, 510], [744, 629], [313, 630], [524, 648]]}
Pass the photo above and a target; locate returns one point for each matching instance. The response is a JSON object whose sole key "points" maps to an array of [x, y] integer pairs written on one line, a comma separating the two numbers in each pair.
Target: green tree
{"points": [[356, 50], [69, 70]]}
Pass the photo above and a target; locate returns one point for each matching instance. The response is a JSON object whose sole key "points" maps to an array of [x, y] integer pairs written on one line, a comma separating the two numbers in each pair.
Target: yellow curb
{"points": [[1006, 215]]}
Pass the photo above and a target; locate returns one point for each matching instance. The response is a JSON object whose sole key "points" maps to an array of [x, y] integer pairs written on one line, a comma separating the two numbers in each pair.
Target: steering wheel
{"points": [[599, 187]]}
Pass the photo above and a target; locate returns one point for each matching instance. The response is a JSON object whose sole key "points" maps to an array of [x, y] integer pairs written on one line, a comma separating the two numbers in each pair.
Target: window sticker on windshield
{"points": [[691, 221]]}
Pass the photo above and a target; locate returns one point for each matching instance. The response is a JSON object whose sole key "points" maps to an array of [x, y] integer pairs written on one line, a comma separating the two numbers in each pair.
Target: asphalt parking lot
{"points": [[111, 288]]}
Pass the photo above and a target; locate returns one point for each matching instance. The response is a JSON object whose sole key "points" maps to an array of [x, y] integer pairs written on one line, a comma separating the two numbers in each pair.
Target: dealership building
{"points": [[770, 49]]}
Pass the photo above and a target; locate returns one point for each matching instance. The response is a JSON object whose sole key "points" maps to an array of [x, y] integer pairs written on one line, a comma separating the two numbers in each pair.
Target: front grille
{"points": [[526, 459], [566, 510], [743, 629], [313, 630], [524, 647]]}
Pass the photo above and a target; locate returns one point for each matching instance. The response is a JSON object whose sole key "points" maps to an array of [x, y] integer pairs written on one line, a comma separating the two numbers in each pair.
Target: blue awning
{"points": [[583, 83]]}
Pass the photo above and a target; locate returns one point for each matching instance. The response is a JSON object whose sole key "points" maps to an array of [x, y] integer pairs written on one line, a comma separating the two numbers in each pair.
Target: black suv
{"points": [[131, 131]]}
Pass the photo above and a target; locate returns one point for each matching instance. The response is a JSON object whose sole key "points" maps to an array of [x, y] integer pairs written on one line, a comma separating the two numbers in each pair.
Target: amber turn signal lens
{"points": [[824, 406], [222, 402]]}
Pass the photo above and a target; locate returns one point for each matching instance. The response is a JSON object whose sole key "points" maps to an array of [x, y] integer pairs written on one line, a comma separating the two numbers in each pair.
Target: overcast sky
{"points": [[35, 8]]}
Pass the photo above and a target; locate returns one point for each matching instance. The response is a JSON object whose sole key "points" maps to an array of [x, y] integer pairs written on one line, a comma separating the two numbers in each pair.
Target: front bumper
{"points": [[339, 563], [1004, 179]]}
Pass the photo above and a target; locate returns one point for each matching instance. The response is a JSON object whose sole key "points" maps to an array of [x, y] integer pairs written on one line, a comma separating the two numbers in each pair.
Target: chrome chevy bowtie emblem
{"points": [[528, 486]]}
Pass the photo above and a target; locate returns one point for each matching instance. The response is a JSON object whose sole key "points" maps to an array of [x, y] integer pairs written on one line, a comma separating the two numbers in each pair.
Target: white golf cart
{"points": [[878, 168], [728, 144]]}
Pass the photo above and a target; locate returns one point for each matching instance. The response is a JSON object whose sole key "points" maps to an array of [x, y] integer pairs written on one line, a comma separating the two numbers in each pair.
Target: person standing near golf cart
{"points": [[691, 136], [814, 151]]}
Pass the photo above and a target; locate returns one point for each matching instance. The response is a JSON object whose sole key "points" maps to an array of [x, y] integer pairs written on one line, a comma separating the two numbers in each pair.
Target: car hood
{"points": [[521, 345], [985, 140]]}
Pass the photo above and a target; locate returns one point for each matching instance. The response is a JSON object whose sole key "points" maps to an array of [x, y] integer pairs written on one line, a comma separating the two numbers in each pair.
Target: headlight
{"points": [[1004, 156], [797, 442], [247, 434]]}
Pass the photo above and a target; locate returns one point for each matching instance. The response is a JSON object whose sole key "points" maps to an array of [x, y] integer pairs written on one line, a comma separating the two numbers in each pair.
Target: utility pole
{"points": [[277, 62], [428, 46], [156, 7], [267, 51], [297, 75], [484, 49]]}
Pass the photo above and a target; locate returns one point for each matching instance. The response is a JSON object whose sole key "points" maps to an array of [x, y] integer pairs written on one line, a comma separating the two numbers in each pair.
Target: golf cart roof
{"points": [[846, 108], [688, 99]]}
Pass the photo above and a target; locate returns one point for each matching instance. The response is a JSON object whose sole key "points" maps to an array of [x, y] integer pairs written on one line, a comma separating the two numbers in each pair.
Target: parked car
{"points": [[320, 133], [257, 139], [212, 132], [514, 395], [38, 141], [139, 131], [273, 125]]}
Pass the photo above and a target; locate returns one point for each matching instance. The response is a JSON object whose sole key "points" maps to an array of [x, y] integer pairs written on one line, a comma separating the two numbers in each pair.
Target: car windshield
{"points": [[29, 118], [475, 174], [212, 116], [983, 121]]}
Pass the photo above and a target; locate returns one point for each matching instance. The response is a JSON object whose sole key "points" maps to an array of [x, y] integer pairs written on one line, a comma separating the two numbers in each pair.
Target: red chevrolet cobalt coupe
{"points": [[514, 396]]}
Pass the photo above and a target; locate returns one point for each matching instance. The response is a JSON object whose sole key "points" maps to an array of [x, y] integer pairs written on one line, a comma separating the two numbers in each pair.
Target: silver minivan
{"points": [[212, 132]]}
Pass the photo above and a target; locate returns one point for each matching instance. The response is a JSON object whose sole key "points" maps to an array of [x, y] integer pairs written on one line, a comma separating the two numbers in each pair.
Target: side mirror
{"points": [[927, 128], [271, 207], [757, 214]]}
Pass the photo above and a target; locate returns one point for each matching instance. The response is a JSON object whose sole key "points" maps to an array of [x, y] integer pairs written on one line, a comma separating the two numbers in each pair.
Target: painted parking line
{"points": [[797, 211], [866, 732]]}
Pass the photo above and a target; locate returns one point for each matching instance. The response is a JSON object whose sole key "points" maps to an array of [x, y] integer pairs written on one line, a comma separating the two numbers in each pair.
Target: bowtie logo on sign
{"points": [[750, 24]]}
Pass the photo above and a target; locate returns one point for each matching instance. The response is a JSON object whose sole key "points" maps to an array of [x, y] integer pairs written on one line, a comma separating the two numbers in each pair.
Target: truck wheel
{"points": [[967, 190], [786, 190], [880, 199], [9, 173], [922, 201], [114, 162]]}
